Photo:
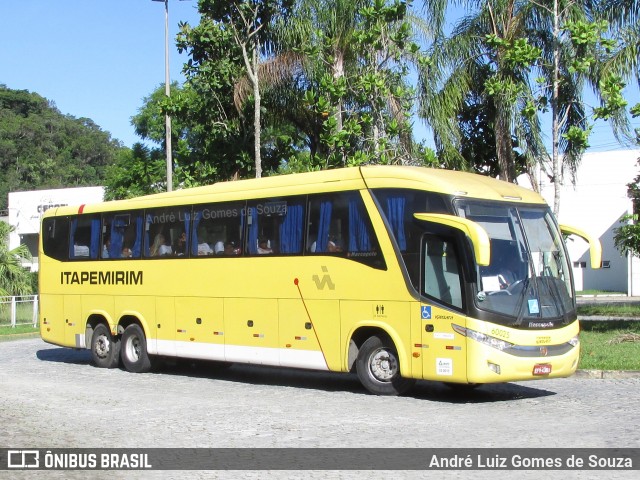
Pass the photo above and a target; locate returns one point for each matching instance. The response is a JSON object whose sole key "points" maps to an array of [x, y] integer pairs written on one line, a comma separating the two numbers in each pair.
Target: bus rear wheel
{"points": [[105, 348], [134, 350], [378, 368]]}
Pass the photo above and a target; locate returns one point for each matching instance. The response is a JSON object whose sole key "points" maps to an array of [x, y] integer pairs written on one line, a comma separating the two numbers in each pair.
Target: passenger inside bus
{"points": [[264, 246], [180, 247], [159, 247], [230, 249]]}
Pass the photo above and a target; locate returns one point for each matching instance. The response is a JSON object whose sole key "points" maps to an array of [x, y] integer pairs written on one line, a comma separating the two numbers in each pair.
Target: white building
{"points": [[596, 204], [26, 209]]}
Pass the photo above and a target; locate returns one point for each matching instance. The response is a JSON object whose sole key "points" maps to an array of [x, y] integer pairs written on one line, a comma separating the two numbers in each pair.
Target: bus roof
{"points": [[448, 182]]}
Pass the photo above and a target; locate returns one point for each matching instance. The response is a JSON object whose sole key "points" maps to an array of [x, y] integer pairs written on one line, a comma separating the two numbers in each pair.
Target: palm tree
{"points": [[320, 51], [480, 41], [624, 18], [14, 278]]}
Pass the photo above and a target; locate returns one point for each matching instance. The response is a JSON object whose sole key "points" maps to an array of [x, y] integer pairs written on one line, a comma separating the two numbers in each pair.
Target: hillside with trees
{"points": [[42, 148]]}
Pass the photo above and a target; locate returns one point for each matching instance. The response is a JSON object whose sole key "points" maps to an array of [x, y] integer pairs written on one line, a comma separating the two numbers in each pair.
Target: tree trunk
{"points": [[256, 119], [504, 149]]}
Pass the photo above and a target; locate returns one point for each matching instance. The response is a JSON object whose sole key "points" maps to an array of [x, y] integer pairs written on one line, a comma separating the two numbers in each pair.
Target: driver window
{"points": [[441, 274]]}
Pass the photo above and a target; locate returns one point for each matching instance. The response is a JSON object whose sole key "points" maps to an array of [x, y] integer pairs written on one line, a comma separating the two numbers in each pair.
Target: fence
{"points": [[22, 310]]}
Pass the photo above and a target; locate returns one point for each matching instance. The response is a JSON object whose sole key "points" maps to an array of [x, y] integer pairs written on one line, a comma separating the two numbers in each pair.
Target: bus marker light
{"points": [[416, 354], [218, 333], [258, 335], [288, 345], [301, 338], [542, 369], [495, 368], [192, 339]]}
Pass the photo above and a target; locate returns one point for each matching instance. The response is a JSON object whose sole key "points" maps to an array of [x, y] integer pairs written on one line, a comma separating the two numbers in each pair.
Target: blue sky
{"points": [[92, 58], [100, 58]]}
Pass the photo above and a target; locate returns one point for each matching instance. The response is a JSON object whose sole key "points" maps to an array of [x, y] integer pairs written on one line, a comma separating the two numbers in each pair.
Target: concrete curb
{"points": [[608, 374]]}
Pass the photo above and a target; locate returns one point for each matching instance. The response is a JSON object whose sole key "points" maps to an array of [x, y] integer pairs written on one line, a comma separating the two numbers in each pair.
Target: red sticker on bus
{"points": [[542, 369]]}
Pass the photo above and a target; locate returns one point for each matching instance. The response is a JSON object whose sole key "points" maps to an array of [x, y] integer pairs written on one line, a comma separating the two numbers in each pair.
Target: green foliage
{"points": [[516, 52], [611, 87], [214, 106], [41, 148], [139, 171], [627, 236], [610, 345], [14, 279], [365, 108], [577, 137]]}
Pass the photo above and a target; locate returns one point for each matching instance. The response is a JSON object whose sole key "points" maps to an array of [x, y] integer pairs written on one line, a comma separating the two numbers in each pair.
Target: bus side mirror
{"points": [[478, 235], [595, 248]]}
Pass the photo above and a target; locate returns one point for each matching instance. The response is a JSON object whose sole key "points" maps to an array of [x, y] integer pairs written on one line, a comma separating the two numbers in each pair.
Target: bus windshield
{"points": [[528, 277]]}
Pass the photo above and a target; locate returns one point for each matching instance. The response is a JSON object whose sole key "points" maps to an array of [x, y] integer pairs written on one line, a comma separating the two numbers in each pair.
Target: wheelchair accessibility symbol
{"points": [[425, 312]]}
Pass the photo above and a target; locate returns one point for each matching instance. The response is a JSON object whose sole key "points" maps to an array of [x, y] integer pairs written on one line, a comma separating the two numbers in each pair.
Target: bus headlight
{"points": [[575, 341], [488, 340]]}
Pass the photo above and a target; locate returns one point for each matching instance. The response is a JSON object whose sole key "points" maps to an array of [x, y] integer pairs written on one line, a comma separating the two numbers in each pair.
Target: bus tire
{"points": [[378, 368], [105, 348], [134, 350]]}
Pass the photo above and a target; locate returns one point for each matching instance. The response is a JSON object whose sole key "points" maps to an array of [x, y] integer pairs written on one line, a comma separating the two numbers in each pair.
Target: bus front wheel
{"points": [[134, 350], [105, 348], [378, 368]]}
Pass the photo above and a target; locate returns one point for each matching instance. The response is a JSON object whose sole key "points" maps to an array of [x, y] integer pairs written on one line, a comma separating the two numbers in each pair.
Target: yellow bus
{"points": [[395, 273]]}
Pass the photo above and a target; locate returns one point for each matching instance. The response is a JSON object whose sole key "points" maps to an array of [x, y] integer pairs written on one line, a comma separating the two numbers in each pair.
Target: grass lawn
{"points": [[21, 331], [610, 345], [610, 309]]}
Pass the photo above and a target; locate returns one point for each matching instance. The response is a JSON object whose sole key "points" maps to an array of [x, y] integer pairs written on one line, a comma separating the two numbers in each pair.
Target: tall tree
{"points": [[136, 172], [554, 39], [354, 64], [248, 23], [487, 38]]}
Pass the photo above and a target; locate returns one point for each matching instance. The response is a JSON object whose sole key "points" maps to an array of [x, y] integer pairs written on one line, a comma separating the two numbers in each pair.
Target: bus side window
{"points": [[164, 230], [339, 224], [217, 229], [55, 238], [84, 243], [122, 235], [441, 274], [275, 226]]}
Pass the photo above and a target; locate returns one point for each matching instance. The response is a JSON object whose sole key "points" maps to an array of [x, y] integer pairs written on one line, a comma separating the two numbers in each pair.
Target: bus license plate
{"points": [[542, 369]]}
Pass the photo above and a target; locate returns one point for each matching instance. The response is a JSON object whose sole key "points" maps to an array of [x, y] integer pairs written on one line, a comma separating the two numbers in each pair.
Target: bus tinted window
{"points": [[398, 206], [166, 231], [339, 224], [441, 275], [85, 238], [217, 229], [121, 235], [55, 237], [275, 226]]}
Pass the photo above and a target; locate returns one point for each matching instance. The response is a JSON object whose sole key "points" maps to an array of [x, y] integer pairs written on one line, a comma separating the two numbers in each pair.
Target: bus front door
{"points": [[444, 350]]}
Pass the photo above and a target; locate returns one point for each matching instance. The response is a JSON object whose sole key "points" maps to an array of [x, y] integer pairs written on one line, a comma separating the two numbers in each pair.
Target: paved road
{"points": [[52, 397]]}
